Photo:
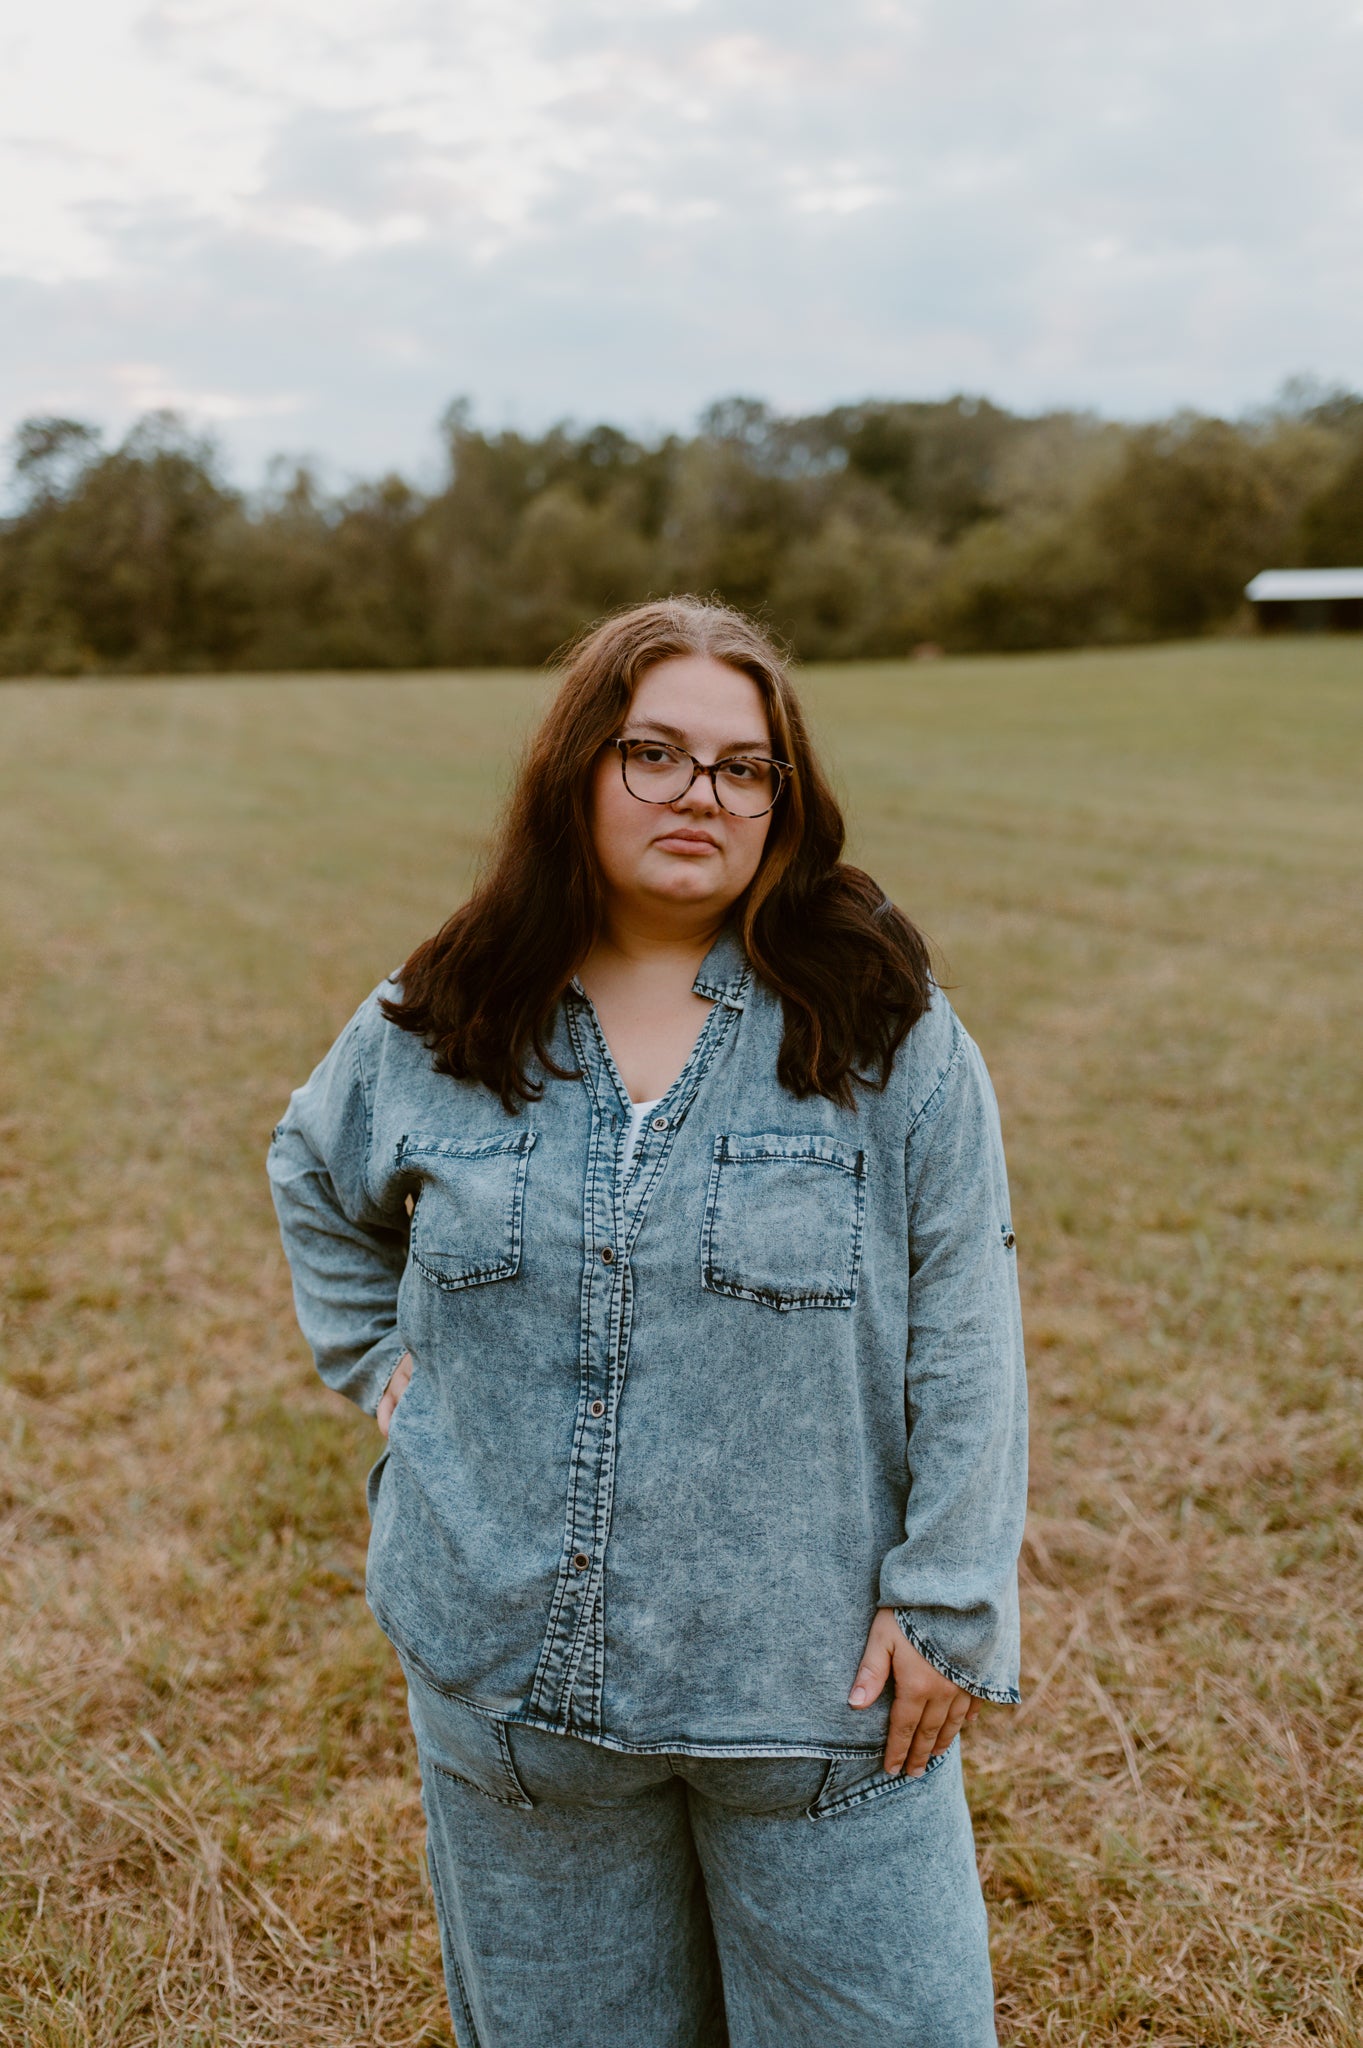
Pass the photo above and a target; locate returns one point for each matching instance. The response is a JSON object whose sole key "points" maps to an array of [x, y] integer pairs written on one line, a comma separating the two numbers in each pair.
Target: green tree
{"points": [[858, 531], [110, 561], [1332, 524], [1193, 512]]}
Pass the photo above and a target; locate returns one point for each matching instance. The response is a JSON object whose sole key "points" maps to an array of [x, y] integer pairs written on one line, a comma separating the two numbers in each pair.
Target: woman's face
{"points": [[684, 862]]}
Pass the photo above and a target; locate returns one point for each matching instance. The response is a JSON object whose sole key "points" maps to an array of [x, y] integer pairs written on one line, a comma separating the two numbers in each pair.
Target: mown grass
{"points": [[1143, 871]]}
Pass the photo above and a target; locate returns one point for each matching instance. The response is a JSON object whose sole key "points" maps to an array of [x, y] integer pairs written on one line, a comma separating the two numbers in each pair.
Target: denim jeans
{"points": [[589, 1898]]}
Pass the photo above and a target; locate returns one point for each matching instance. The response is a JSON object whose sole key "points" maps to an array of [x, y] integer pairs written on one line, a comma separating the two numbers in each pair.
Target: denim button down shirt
{"points": [[680, 1418]]}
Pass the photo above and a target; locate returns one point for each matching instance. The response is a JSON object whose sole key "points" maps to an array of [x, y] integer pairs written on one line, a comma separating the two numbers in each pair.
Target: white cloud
{"points": [[145, 387], [577, 206]]}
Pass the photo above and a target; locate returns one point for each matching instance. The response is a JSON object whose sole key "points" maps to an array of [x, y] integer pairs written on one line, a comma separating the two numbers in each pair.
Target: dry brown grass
{"points": [[1144, 871]]}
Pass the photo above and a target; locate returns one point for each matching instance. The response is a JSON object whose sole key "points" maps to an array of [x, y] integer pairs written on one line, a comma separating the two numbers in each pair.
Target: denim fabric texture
{"points": [[593, 1899], [681, 1419]]}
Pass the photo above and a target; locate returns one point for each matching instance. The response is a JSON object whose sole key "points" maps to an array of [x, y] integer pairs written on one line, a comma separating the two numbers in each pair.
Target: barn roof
{"points": [[1283, 585]]}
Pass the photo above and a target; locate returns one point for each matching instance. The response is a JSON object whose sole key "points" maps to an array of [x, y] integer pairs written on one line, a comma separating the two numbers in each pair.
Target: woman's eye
{"points": [[742, 771], [653, 755]]}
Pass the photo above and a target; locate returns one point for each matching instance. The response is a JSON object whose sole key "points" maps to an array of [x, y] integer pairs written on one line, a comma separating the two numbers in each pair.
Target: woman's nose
{"points": [[699, 797]]}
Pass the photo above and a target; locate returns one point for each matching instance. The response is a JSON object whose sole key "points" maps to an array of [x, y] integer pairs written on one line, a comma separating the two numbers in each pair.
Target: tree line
{"points": [[870, 529]]}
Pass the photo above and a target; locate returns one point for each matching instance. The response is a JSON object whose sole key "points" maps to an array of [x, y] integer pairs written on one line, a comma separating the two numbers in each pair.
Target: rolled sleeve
{"points": [[952, 1582], [346, 1253]]}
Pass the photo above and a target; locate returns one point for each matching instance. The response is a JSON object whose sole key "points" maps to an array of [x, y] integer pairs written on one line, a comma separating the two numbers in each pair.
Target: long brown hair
{"points": [[851, 971]]}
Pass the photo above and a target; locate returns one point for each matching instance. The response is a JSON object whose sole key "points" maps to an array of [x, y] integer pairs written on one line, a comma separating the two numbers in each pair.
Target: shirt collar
{"points": [[724, 972]]}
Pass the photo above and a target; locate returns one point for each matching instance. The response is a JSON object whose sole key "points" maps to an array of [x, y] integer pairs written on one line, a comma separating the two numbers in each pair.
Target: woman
{"points": [[658, 1210]]}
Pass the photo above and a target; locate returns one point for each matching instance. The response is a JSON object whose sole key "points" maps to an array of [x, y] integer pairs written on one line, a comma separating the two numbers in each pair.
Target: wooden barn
{"points": [[1308, 600]]}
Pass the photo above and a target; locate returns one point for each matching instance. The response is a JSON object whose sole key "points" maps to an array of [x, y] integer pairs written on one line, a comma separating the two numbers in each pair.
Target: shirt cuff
{"points": [[997, 1695]]}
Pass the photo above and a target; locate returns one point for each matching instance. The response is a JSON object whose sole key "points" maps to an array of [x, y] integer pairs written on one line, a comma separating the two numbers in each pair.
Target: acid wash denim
{"points": [[593, 1899], [679, 1421], [676, 1426]]}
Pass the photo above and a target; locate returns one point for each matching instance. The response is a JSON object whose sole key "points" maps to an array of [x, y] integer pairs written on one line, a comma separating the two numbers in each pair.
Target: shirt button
{"points": [[607, 1255], [660, 1123], [581, 1561], [598, 1408]]}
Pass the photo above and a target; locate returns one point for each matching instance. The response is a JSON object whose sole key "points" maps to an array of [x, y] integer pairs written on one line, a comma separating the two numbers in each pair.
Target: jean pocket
{"points": [[783, 1220], [468, 1215], [856, 1781], [455, 1740]]}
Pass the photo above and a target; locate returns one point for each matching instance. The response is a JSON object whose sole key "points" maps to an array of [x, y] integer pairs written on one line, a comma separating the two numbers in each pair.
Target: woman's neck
{"points": [[627, 947], [641, 986]]}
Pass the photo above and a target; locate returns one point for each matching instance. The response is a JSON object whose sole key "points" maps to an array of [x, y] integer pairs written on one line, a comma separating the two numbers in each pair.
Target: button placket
{"points": [[609, 1228], [614, 1212], [575, 1596]]}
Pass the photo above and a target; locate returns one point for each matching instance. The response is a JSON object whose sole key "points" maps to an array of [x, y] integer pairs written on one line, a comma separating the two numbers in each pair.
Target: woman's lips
{"points": [[687, 842]]}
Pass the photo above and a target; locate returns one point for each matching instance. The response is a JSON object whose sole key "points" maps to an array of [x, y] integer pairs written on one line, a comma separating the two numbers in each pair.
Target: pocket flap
{"points": [[468, 1213], [783, 1219]]}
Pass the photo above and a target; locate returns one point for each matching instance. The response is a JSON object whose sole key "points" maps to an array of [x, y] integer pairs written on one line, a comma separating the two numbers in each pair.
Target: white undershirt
{"points": [[638, 1111]]}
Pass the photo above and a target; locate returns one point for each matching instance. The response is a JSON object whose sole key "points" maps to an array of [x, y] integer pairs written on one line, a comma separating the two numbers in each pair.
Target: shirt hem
{"points": [[522, 1717]]}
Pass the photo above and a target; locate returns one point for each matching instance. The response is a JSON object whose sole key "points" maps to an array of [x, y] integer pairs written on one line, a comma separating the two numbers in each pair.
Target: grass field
{"points": [[1143, 872]]}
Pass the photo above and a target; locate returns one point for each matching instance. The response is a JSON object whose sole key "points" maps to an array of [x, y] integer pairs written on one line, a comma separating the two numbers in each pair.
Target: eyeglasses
{"points": [[745, 785]]}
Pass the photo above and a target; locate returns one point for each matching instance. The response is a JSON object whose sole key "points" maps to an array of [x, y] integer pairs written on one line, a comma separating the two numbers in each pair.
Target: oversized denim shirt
{"points": [[679, 1419]]}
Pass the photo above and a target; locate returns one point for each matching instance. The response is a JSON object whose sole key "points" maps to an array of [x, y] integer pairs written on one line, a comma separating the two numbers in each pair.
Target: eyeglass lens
{"points": [[659, 774]]}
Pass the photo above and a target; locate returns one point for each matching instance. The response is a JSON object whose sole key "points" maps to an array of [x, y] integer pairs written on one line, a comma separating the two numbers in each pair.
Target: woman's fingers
{"points": [[927, 1713], [905, 1715], [958, 1713], [393, 1392], [925, 1735], [924, 1698], [876, 1661]]}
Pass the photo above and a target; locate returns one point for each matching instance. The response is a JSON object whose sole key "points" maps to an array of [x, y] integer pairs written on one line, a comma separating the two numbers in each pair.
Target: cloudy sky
{"points": [[310, 223]]}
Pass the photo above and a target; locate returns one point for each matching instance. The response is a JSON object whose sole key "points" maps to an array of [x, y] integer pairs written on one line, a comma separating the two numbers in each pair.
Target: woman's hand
{"points": [[928, 1711], [393, 1392]]}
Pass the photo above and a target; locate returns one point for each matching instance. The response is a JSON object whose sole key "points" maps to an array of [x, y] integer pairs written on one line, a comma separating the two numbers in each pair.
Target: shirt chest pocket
{"points": [[468, 1215], [783, 1220]]}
